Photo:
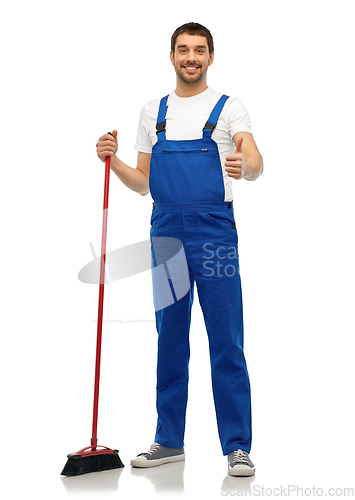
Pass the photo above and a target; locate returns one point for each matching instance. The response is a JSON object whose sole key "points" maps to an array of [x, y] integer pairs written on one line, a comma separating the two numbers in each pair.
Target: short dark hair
{"points": [[193, 29]]}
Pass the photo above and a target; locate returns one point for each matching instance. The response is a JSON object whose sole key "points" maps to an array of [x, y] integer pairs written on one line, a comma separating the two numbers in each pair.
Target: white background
{"points": [[71, 71]]}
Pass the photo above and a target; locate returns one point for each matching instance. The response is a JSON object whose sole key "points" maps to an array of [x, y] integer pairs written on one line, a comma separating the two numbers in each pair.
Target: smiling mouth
{"points": [[191, 69]]}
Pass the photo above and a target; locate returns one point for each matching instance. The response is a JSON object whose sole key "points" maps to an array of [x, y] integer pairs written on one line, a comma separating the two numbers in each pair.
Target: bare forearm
{"points": [[253, 167], [131, 177]]}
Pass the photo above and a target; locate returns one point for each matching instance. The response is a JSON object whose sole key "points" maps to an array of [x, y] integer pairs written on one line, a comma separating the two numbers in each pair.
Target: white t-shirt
{"points": [[185, 119]]}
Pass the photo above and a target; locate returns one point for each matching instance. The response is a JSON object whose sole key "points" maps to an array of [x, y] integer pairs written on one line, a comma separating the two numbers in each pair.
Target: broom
{"points": [[92, 459]]}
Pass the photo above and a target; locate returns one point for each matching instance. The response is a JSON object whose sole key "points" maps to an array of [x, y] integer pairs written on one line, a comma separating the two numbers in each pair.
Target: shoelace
{"points": [[240, 456], [153, 449]]}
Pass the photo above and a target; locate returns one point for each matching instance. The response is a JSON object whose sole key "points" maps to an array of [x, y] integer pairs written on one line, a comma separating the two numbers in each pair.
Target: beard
{"points": [[190, 79]]}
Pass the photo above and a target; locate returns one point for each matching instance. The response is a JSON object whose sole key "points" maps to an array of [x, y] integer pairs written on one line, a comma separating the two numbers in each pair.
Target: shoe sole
{"points": [[158, 461], [240, 470]]}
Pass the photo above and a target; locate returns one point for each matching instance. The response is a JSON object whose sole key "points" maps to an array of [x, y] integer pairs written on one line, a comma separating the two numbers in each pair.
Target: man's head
{"points": [[192, 51], [193, 29]]}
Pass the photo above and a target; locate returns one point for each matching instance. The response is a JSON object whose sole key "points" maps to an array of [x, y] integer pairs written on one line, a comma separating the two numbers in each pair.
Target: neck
{"points": [[184, 89]]}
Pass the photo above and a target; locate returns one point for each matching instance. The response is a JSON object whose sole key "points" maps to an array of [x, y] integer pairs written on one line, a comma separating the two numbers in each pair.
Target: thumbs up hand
{"points": [[234, 163]]}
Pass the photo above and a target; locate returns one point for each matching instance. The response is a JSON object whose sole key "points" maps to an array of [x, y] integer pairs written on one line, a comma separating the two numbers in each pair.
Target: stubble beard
{"points": [[192, 79]]}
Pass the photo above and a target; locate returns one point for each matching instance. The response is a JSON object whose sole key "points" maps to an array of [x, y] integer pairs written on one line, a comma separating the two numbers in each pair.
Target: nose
{"points": [[191, 55]]}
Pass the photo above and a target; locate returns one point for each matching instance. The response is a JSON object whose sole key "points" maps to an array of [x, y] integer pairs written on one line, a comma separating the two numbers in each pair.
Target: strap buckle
{"points": [[161, 127], [210, 126]]}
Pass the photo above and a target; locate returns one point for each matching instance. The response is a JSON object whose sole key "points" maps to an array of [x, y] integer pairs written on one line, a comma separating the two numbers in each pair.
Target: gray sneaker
{"points": [[239, 464], [158, 455]]}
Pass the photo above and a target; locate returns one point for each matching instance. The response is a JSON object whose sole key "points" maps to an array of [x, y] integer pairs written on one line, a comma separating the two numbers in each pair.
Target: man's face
{"points": [[191, 58]]}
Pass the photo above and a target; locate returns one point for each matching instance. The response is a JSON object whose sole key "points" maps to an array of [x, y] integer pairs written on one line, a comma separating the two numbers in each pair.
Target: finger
{"points": [[105, 152], [106, 137], [233, 168], [234, 163], [239, 145], [234, 173], [101, 151], [106, 140], [232, 158], [106, 144], [114, 134], [235, 156]]}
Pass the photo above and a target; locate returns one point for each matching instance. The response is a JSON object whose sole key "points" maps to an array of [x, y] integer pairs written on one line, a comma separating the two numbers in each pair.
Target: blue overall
{"points": [[187, 188]]}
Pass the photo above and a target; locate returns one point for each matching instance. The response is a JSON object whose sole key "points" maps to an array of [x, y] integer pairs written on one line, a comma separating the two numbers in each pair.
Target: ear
{"points": [[211, 59], [172, 57]]}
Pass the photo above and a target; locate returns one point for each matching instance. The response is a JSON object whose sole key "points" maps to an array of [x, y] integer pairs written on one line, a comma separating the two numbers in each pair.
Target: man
{"points": [[191, 145]]}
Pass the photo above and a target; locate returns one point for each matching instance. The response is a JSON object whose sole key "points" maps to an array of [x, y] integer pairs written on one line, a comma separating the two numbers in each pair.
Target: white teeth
{"points": [[190, 67]]}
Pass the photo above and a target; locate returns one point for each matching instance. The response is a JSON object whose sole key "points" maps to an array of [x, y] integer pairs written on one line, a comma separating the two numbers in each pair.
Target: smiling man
{"points": [[191, 66], [192, 144]]}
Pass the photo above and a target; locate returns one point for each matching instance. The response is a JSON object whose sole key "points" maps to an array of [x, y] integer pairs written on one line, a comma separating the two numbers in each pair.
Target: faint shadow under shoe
{"points": [[165, 478], [237, 486]]}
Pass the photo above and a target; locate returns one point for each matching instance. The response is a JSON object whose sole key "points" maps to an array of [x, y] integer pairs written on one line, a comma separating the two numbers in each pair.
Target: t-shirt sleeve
{"points": [[238, 118], [143, 142]]}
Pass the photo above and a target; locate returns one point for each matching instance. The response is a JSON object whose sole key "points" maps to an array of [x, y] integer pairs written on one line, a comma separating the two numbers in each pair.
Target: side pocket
{"points": [[157, 220], [225, 221], [223, 218]]}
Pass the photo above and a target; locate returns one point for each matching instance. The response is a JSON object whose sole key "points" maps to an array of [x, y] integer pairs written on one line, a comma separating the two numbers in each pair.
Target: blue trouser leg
{"points": [[173, 326], [222, 310], [216, 272]]}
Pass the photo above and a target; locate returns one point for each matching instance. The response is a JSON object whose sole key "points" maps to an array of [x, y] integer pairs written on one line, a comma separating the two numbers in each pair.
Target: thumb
{"points": [[114, 134], [239, 145]]}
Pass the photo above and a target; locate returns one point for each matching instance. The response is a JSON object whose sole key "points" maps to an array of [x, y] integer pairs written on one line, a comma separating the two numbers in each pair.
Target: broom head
{"points": [[95, 460]]}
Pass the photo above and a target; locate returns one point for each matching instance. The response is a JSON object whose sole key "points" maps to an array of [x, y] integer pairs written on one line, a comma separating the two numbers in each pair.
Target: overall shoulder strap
{"points": [[161, 122], [213, 119]]}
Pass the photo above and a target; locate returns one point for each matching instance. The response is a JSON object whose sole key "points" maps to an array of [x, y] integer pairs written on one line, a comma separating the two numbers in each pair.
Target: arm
{"points": [[137, 178], [246, 162]]}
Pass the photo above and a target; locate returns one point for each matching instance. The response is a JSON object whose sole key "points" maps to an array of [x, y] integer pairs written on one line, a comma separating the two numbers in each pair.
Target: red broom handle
{"points": [[101, 304]]}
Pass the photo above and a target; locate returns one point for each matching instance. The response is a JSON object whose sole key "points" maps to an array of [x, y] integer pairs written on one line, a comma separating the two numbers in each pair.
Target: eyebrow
{"points": [[196, 47]]}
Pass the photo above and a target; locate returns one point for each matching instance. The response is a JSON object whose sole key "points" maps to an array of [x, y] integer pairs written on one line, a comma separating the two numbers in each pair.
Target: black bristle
{"points": [[94, 463]]}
